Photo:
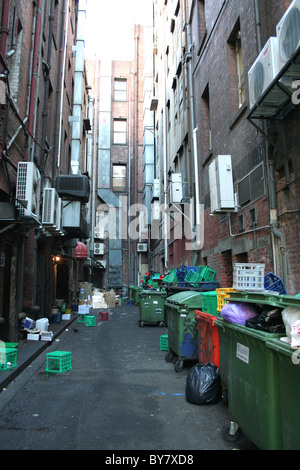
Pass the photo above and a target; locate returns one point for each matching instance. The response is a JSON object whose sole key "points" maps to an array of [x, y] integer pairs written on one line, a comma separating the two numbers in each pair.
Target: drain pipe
{"points": [[4, 31], [274, 224], [78, 90]]}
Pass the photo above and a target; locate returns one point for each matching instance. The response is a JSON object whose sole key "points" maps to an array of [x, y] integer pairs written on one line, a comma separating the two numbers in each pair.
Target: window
{"points": [[120, 89], [120, 131], [236, 68], [251, 187], [119, 177], [206, 125], [201, 21], [240, 69]]}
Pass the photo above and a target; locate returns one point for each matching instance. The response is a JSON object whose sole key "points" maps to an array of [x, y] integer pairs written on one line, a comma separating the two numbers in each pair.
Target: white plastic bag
{"points": [[295, 334], [290, 315]]}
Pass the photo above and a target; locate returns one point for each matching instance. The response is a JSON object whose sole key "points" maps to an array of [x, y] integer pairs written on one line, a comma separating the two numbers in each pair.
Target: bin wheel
{"points": [[161, 324], [230, 432], [179, 366], [141, 323], [169, 357]]}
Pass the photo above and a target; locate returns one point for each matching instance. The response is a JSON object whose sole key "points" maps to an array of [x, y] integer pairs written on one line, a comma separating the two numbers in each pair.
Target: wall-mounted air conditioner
{"points": [[99, 233], [50, 201], [222, 196], [28, 190], [72, 215], [73, 187], [288, 33], [57, 229], [98, 248], [263, 71], [142, 247], [155, 210], [155, 189], [176, 188]]}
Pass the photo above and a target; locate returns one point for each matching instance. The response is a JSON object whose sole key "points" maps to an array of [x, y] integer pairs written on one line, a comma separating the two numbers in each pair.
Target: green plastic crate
{"points": [[58, 362], [193, 278], [207, 274], [9, 345], [172, 277], [80, 317], [164, 343], [209, 301], [8, 358], [90, 320]]}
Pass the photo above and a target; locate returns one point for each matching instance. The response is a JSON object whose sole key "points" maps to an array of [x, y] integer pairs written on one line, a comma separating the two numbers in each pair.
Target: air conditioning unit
{"points": [[73, 187], [28, 190], [57, 229], [155, 189], [99, 233], [288, 33], [222, 196], [176, 188], [263, 71], [98, 248], [142, 247], [155, 210], [50, 201]]}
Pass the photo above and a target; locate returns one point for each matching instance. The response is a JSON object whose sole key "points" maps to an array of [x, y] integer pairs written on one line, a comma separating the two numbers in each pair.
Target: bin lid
{"points": [[190, 298]]}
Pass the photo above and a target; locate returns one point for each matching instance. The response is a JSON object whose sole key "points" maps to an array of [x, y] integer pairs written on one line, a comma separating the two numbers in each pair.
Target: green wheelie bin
{"points": [[152, 307], [136, 294], [251, 373], [182, 327], [289, 385]]}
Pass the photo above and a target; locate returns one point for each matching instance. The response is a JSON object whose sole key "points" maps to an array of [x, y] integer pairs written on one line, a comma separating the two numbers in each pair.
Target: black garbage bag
{"points": [[270, 320], [203, 385]]}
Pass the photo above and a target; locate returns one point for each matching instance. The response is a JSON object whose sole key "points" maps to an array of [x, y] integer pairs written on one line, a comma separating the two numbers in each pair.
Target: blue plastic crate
{"points": [[274, 283]]}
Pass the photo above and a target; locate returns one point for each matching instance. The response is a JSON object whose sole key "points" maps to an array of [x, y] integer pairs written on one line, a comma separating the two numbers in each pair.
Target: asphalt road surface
{"points": [[120, 395]]}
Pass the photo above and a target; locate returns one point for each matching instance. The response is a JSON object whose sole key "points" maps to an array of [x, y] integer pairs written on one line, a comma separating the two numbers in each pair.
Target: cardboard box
{"points": [[33, 336], [66, 316], [84, 309], [46, 335]]}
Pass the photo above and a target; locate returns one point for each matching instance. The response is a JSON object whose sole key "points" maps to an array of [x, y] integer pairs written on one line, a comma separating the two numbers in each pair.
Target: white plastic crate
{"points": [[248, 277]]}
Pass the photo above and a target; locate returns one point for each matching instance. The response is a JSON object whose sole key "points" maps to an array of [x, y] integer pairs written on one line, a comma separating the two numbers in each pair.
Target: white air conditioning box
{"points": [[98, 248], [50, 201], [176, 188], [155, 190], [221, 185], [155, 210], [263, 71], [142, 247], [57, 229], [99, 233], [213, 187], [28, 189], [288, 33], [72, 214]]}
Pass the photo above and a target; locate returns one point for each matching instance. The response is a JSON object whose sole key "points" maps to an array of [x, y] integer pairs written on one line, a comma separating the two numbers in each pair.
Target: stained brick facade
{"points": [[224, 39], [36, 103]]}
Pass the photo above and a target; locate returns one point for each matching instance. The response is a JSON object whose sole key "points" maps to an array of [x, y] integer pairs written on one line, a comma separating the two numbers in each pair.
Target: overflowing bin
{"points": [[182, 327], [250, 372], [152, 307]]}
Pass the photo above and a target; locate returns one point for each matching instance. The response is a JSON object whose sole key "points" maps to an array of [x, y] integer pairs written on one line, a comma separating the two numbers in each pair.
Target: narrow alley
{"points": [[120, 394]]}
